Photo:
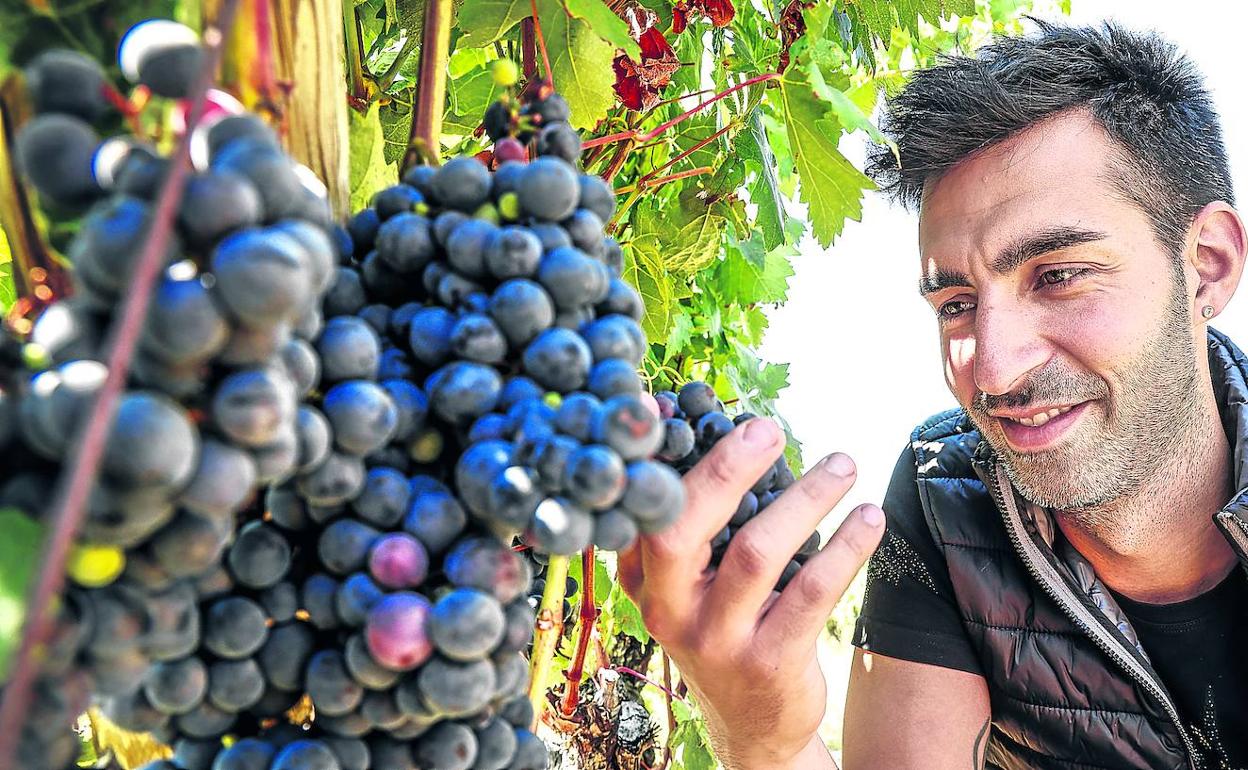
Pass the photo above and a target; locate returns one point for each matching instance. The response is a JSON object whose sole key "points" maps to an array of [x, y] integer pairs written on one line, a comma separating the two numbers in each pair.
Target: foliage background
{"points": [[712, 208]]}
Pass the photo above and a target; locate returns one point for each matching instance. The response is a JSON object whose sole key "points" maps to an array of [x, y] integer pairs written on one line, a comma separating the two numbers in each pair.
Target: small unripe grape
{"points": [[505, 72], [95, 566]]}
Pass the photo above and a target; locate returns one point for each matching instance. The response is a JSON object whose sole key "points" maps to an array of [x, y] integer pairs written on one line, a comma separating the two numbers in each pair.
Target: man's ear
{"points": [[1217, 248]]}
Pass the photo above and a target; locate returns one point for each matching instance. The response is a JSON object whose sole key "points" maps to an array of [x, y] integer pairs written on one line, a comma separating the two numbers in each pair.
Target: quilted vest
{"points": [[1070, 686]]}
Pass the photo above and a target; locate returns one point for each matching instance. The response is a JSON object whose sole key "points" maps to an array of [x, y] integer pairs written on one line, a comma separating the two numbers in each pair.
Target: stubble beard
{"points": [[1138, 437]]}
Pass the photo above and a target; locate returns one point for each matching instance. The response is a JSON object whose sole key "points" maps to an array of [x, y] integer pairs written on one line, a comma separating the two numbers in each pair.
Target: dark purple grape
{"points": [[711, 427], [436, 518], [462, 183], [349, 349], [234, 627], [468, 245], [558, 359], [64, 81], [487, 565], [176, 687], [464, 391], [430, 335], [285, 654], [260, 556], [594, 477], [549, 189], [456, 689], [655, 495], [560, 526], [466, 624], [362, 415], [357, 595], [514, 252], [395, 200], [622, 299], [614, 377], [614, 530], [570, 276], [628, 427], [522, 310], [405, 243], [476, 337], [306, 755], [447, 746]]}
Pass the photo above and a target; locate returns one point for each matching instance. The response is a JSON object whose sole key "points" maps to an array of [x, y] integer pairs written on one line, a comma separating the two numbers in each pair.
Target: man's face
{"points": [[1065, 333]]}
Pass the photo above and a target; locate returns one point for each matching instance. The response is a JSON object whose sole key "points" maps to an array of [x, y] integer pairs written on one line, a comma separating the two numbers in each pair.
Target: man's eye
{"points": [[1060, 275], [954, 308]]}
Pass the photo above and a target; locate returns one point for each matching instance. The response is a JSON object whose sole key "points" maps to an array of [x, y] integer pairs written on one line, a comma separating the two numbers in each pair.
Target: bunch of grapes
{"points": [[694, 419], [501, 292], [209, 413]]}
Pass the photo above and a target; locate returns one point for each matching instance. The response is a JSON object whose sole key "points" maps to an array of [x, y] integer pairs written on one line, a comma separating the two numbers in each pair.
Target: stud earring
{"points": [[1207, 311]]}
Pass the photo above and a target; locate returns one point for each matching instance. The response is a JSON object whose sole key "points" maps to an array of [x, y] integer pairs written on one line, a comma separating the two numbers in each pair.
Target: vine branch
{"points": [[549, 629], [425, 139], [585, 634], [87, 448]]}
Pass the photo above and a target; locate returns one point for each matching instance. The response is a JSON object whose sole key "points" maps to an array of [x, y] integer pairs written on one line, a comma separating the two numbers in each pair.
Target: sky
{"points": [[862, 347]]}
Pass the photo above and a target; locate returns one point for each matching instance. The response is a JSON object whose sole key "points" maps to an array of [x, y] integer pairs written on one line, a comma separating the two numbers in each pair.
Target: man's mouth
{"points": [[1036, 419]]}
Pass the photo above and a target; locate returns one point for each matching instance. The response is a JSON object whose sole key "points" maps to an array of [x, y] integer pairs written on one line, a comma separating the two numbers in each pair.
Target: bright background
{"points": [[864, 360], [862, 346]]}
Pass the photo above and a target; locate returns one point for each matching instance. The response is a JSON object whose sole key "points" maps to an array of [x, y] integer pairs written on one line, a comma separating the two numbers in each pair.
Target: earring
{"points": [[1207, 311]]}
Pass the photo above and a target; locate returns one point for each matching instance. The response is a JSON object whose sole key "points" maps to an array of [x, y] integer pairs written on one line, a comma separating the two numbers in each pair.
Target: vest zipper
{"points": [[1234, 529], [1083, 617]]}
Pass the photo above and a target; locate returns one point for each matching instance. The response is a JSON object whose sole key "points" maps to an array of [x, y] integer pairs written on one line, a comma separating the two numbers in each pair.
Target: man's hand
{"points": [[748, 653]]}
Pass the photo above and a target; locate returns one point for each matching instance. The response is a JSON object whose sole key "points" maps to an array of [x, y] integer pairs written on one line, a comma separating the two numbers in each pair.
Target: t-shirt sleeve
{"points": [[909, 611]]}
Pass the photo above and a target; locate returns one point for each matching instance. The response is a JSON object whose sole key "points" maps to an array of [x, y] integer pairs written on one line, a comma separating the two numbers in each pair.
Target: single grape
{"points": [[398, 560], [396, 631], [466, 624], [349, 349]]}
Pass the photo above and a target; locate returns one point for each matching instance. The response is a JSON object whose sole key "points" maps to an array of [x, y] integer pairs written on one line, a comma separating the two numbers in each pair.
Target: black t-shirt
{"points": [[1199, 647]]}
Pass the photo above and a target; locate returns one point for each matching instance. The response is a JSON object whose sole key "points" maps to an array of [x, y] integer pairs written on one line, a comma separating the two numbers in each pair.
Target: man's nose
{"points": [[1007, 347]]}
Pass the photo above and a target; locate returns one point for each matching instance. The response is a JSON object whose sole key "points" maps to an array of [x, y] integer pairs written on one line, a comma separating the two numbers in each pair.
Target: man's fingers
{"points": [[761, 549], [673, 561], [628, 571], [812, 594]]}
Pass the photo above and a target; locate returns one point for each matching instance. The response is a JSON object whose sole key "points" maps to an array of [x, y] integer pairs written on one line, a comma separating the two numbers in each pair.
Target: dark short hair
{"points": [[1148, 97]]}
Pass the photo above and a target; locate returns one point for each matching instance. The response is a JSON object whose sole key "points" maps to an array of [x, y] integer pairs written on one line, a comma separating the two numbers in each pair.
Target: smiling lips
{"points": [[1040, 418]]}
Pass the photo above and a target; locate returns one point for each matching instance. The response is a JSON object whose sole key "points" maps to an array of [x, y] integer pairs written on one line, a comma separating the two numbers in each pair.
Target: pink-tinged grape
{"points": [[396, 631], [510, 149], [398, 560]]}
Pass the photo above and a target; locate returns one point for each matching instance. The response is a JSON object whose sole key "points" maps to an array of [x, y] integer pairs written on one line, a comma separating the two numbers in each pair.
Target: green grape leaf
{"points": [[606, 24], [679, 335], [685, 237], [370, 171], [481, 22], [830, 184], [396, 127], [580, 62], [19, 560], [764, 190], [8, 290], [624, 616], [691, 744], [643, 270], [470, 94], [846, 109], [746, 283]]}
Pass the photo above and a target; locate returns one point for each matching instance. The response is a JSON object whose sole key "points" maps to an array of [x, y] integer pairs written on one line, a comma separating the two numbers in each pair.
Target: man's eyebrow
{"points": [[1015, 255]]}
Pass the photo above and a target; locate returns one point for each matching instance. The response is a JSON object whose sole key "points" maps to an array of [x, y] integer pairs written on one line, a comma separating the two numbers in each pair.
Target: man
{"points": [[1062, 580]]}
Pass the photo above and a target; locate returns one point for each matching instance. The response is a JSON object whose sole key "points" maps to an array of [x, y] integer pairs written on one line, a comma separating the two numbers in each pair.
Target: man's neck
{"points": [[1160, 544]]}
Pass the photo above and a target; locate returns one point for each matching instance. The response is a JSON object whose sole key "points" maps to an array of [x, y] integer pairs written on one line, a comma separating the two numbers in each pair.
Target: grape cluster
{"points": [[694, 419], [501, 293], [209, 414]]}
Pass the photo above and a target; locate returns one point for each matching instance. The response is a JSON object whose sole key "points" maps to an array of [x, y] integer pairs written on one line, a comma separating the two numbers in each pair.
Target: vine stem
{"points": [[541, 42], [638, 675], [586, 626], [647, 136], [355, 64], [647, 184], [87, 448], [546, 637], [435, 45], [528, 49], [671, 715]]}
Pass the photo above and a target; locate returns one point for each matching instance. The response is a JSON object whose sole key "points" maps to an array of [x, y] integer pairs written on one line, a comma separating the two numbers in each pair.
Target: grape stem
{"points": [[585, 633], [425, 139], [647, 136], [355, 65], [87, 448], [546, 637], [37, 275], [528, 49], [638, 675], [541, 43]]}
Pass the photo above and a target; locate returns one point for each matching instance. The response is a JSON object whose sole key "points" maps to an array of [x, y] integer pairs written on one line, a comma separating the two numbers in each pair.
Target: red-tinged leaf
{"points": [[639, 84], [719, 12], [792, 26]]}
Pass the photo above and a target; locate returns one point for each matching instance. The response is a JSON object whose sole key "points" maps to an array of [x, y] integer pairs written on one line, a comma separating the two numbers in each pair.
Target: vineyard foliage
{"points": [[713, 202]]}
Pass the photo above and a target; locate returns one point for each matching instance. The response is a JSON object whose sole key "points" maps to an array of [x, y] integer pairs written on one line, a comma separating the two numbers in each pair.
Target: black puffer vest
{"points": [[1069, 685]]}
